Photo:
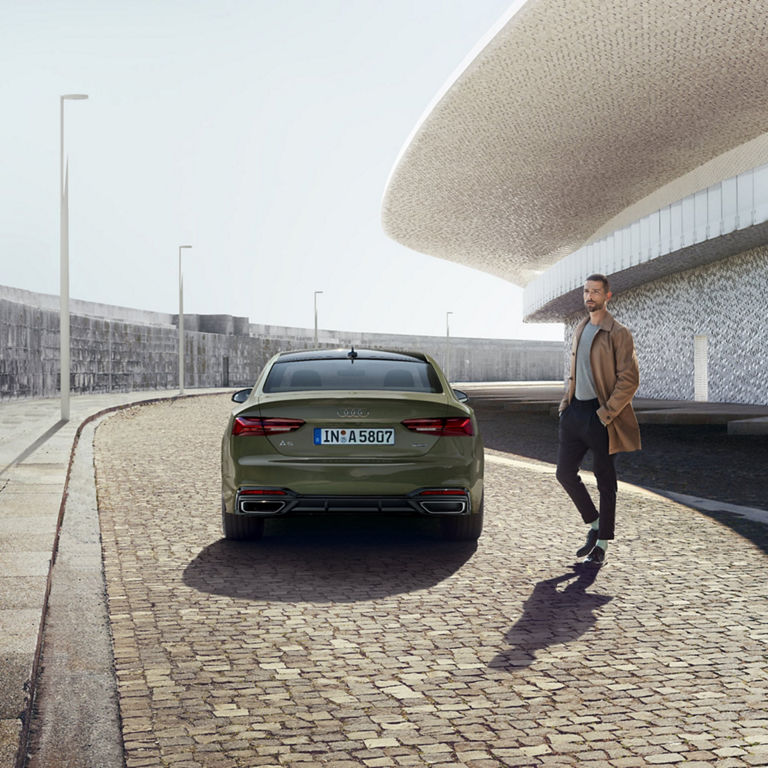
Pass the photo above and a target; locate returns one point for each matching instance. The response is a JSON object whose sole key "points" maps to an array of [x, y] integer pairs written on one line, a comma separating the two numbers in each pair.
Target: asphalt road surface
{"points": [[693, 459]]}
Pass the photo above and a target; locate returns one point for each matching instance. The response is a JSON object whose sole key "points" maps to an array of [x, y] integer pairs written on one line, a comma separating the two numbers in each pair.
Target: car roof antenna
{"points": [[352, 354]]}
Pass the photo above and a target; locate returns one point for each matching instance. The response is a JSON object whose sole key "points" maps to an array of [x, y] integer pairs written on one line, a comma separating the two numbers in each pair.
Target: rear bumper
{"points": [[428, 501]]}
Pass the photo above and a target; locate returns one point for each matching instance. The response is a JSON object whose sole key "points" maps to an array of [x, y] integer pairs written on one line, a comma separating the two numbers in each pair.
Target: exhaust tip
{"points": [[443, 501], [262, 501], [258, 507], [452, 507]]}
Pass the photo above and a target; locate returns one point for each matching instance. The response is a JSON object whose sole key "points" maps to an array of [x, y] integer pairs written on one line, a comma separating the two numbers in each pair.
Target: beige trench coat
{"points": [[617, 376]]}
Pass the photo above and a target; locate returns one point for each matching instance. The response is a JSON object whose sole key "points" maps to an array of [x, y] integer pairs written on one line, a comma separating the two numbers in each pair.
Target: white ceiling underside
{"points": [[573, 114]]}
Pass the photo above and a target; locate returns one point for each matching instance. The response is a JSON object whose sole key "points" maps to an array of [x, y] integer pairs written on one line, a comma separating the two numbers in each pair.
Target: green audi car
{"points": [[344, 430]]}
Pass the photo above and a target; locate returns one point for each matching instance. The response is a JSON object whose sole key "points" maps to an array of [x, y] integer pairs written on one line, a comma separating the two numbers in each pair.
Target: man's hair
{"points": [[598, 278]]}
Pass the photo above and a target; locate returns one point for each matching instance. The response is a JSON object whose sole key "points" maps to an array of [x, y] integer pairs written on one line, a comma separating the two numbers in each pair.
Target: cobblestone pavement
{"points": [[353, 642]]}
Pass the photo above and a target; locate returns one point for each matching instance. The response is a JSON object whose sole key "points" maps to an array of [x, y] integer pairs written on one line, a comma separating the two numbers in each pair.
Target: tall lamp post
{"points": [[181, 324], [316, 293], [448, 346], [64, 352]]}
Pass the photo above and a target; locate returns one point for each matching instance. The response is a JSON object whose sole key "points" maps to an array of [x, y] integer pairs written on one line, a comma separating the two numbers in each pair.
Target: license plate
{"points": [[353, 436]]}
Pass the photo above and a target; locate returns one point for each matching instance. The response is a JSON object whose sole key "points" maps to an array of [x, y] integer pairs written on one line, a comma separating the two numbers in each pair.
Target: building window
{"points": [[700, 372]]}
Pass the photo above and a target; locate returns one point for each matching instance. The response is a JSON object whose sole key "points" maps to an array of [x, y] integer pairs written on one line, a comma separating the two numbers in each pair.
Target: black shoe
{"points": [[596, 557], [589, 545]]}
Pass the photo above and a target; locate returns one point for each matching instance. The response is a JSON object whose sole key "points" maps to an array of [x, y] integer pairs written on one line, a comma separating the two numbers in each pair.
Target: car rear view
{"points": [[366, 432]]}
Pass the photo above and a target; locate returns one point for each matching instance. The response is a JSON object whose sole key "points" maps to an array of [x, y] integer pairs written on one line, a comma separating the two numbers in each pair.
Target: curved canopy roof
{"points": [[572, 112]]}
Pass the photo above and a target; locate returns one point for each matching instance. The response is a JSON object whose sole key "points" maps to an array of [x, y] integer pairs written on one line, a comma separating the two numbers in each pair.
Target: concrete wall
{"points": [[724, 301], [122, 349]]}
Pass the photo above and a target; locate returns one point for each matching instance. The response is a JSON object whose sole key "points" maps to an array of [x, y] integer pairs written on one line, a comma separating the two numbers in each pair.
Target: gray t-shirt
{"points": [[585, 382]]}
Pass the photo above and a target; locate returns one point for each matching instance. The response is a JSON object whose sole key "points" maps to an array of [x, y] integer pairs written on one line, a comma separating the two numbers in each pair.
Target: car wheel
{"points": [[464, 528], [242, 527]]}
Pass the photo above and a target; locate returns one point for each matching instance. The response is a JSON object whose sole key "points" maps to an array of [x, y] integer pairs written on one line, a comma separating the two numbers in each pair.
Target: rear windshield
{"points": [[395, 375]]}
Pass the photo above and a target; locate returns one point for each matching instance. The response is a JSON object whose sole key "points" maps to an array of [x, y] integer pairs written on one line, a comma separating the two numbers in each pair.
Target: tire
{"points": [[242, 527], [464, 528]]}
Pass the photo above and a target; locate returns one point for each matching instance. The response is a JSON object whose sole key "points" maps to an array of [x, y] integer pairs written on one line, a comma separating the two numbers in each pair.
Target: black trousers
{"points": [[581, 431]]}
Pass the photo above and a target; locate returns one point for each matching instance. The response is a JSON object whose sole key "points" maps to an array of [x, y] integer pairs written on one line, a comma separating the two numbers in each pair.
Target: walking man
{"points": [[596, 414]]}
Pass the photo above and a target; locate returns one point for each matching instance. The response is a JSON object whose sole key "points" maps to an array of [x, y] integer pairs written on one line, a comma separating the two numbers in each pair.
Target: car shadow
{"points": [[552, 616], [329, 559]]}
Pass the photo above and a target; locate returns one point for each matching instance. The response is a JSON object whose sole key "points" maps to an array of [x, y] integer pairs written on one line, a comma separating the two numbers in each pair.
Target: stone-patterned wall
{"points": [[727, 301], [112, 355], [117, 352]]}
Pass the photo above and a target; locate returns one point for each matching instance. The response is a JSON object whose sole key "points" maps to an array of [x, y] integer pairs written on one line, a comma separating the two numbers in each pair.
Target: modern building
{"points": [[627, 138]]}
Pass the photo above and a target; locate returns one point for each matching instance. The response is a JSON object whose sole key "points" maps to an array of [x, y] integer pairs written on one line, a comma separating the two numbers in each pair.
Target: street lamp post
{"points": [[181, 324], [64, 352], [448, 346], [316, 293]]}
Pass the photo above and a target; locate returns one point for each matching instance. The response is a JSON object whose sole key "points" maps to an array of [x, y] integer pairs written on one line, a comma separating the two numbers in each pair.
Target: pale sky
{"points": [[261, 132]]}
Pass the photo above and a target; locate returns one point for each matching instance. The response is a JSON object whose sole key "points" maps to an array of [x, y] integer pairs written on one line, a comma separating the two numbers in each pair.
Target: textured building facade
{"points": [[623, 138], [718, 309]]}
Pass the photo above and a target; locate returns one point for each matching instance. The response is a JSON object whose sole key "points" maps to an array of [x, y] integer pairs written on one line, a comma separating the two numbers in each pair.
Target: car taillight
{"points": [[444, 427], [247, 425]]}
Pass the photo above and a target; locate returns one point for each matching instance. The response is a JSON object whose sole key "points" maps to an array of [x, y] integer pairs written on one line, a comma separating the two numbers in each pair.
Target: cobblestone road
{"points": [[346, 642]]}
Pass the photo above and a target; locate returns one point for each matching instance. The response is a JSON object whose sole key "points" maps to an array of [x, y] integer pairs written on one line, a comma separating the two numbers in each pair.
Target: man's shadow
{"points": [[552, 616]]}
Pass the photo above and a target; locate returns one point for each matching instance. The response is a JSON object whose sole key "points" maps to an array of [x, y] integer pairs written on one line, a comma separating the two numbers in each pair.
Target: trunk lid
{"points": [[363, 426]]}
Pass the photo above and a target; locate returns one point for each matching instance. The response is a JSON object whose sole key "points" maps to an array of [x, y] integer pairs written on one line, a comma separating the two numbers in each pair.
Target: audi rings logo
{"points": [[353, 413]]}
